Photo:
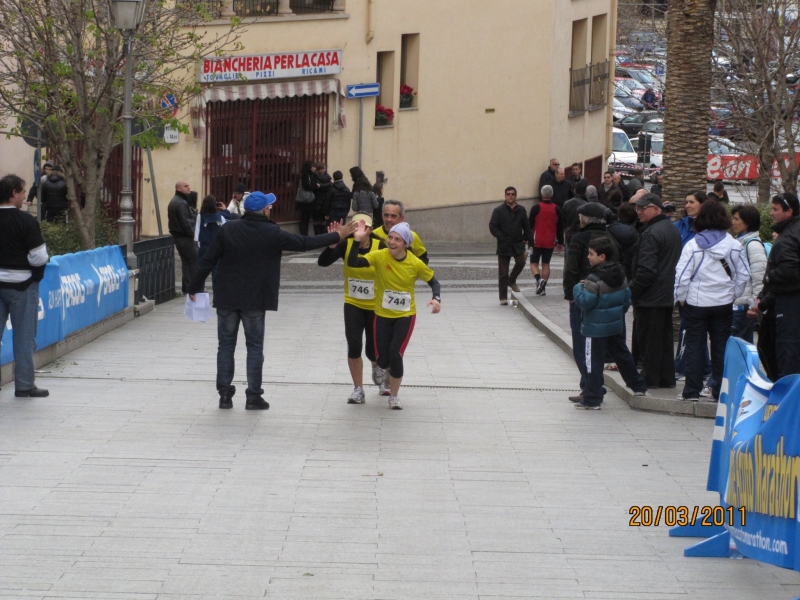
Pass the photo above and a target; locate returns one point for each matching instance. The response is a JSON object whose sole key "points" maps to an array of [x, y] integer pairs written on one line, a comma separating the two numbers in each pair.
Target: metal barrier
{"points": [[301, 7], [156, 262]]}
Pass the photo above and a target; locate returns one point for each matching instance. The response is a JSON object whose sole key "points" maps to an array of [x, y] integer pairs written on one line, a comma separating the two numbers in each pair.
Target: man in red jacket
{"points": [[548, 232]]}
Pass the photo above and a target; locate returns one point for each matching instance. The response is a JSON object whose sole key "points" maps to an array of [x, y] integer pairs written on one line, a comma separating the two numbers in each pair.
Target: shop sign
{"points": [[269, 66]]}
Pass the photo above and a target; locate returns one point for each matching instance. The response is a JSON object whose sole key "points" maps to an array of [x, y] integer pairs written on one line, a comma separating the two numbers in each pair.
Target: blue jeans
{"points": [[680, 361], [578, 342], [703, 323], [23, 307], [227, 332]]}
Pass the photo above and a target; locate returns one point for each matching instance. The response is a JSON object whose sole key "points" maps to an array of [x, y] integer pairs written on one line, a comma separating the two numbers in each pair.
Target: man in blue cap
{"points": [[249, 254]]}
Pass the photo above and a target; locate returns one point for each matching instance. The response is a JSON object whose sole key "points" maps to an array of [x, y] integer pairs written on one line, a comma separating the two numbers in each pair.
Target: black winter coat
{"points": [[570, 217], [337, 200], [782, 277], [249, 253], [577, 266], [325, 182], [511, 228], [562, 192], [627, 237], [546, 178], [654, 261], [54, 192], [179, 214]]}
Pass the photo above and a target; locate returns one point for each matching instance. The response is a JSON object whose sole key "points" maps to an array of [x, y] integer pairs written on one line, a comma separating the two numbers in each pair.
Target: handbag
{"points": [[303, 196]]}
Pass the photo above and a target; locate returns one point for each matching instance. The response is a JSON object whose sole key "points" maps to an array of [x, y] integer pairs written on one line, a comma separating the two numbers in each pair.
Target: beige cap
{"points": [[367, 218]]}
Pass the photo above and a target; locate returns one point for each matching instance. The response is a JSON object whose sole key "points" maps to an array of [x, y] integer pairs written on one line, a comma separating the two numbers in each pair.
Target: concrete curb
{"points": [[75, 340], [705, 410]]}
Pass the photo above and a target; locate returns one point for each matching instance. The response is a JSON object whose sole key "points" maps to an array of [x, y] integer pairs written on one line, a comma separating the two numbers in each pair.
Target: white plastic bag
{"points": [[199, 310]]}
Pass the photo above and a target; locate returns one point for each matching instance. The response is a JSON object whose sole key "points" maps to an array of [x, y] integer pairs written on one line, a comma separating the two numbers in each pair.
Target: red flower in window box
{"points": [[407, 94], [383, 115]]}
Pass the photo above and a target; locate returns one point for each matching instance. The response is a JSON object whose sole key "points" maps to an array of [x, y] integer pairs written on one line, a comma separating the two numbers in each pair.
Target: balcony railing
{"points": [[255, 8], [304, 7], [598, 94], [270, 8], [580, 80]]}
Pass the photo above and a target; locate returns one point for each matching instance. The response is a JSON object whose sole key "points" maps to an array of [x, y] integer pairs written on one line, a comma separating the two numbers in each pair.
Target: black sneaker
{"points": [[32, 393], [576, 398], [256, 403], [582, 406]]}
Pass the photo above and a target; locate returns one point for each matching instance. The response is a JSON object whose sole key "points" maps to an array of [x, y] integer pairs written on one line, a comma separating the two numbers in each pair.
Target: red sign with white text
{"points": [[270, 66], [732, 167]]}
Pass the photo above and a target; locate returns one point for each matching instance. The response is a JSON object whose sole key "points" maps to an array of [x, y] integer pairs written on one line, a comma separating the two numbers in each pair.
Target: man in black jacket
{"points": [[54, 196], [549, 176], [181, 227], [592, 225], [652, 292], [23, 256], [782, 283], [249, 254], [563, 188], [509, 224], [337, 200]]}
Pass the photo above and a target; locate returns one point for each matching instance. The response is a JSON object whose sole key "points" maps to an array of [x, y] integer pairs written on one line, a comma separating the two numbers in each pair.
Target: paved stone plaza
{"points": [[129, 483]]}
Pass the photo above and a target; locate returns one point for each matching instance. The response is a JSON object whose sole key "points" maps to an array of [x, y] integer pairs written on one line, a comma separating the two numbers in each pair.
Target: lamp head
{"points": [[128, 14]]}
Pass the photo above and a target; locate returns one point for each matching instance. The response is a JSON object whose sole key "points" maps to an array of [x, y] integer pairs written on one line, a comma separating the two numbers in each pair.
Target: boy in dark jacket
{"points": [[604, 298], [337, 202]]}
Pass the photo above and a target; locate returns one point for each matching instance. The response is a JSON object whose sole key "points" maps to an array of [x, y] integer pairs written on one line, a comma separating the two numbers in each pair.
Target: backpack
{"points": [[767, 247]]}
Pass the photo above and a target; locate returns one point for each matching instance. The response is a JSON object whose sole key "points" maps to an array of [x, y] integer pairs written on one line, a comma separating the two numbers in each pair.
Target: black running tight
{"points": [[391, 338]]}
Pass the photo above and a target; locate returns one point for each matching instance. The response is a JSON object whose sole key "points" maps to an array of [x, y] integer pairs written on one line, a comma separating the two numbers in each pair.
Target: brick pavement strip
{"points": [[128, 482]]}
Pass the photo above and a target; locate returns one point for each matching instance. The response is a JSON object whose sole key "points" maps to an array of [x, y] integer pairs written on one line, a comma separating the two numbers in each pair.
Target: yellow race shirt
{"points": [[359, 283], [417, 247], [394, 283]]}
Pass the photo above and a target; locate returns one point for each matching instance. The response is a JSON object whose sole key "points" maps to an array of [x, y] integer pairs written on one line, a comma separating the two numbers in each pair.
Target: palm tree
{"points": [[690, 39]]}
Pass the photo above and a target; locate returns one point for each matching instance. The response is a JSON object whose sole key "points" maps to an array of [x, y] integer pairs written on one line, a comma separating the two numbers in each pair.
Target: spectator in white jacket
{"points": [[746, 223], [711, 274]]}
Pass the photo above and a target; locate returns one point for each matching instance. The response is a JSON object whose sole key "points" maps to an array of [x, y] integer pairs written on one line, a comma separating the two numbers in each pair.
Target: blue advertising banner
{"points": [[755, 458], [78, 290]]}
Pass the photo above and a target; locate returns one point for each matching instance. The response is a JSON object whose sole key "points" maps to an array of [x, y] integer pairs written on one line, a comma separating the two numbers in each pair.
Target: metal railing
{"points": [[598, 93], [580, 80], [255, 8], [155, 259], [302, 7], [214, 7]]}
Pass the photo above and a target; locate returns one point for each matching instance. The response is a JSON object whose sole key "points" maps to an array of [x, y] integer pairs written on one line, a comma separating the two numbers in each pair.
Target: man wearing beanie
{"points": [[592, 225], [249, 251], [236, 207]]}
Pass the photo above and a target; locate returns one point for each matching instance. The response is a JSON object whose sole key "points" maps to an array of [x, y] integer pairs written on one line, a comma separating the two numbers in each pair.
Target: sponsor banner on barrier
{"points": [[78, 290], [755, 457]]}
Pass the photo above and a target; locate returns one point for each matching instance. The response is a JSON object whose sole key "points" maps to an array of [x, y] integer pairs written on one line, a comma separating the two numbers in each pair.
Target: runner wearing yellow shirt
{"points": [[359, 301], [393, 213], [396, 271]]}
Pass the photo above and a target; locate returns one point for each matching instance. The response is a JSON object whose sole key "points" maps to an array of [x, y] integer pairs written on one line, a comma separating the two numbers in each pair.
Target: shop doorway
{"points": [[263, 143]]}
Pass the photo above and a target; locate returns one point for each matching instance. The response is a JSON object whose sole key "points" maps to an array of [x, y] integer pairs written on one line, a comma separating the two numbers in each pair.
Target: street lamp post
{"points": [[128, 15]]}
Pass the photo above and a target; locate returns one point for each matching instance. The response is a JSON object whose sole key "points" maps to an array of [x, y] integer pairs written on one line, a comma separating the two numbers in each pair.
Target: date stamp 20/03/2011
{"points": [[705, 516]]}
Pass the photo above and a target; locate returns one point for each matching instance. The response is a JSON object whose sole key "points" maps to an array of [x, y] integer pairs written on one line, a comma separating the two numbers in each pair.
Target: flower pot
{"points": [[406, 103]]}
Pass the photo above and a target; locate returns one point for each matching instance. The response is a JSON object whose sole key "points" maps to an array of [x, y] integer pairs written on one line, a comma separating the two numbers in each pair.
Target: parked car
{"points": [[623, 156], [643, 76], [635, 88], [632, 124], [629, 101], [656, 158], [620, 111], [653, 125]]}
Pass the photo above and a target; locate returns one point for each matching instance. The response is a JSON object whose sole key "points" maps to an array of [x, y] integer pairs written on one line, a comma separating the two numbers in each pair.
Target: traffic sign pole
{"points": [[361, 91], [360, 129]]}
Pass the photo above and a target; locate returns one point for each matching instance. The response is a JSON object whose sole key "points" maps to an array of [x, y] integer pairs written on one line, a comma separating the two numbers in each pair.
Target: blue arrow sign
{"points": [[363, 90]]}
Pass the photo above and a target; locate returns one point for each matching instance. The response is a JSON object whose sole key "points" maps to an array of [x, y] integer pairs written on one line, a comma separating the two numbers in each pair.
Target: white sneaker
{"points": [[706, 393], [645, 394], [377, 375], [394, 403], [384, 389], [357, 397]]}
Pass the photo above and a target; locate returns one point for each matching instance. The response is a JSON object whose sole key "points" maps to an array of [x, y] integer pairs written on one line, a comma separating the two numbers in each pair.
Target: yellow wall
{"points": [[512, 56]]}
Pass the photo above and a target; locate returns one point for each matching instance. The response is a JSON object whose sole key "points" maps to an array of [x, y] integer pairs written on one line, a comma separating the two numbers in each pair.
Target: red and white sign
{"points": [[270, 66], [744, 167]]}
